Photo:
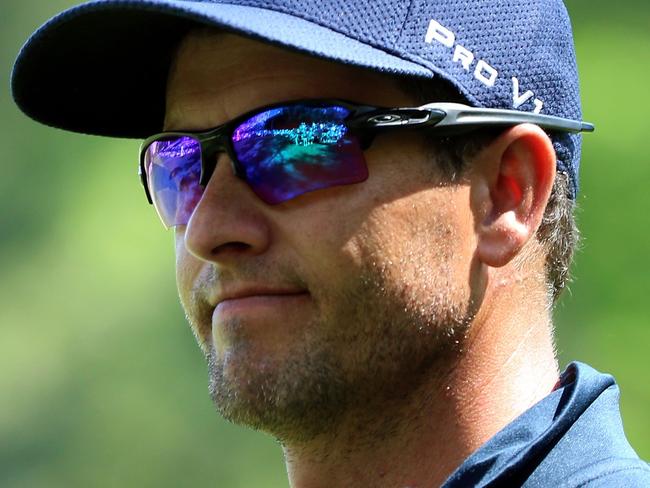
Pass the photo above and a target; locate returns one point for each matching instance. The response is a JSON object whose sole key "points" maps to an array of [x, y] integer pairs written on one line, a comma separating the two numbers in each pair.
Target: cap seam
{"points": [[386, 49], [398, 37]]}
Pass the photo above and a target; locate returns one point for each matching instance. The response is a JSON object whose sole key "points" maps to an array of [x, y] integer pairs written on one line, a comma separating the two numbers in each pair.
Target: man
{"points": [[372, 209]]}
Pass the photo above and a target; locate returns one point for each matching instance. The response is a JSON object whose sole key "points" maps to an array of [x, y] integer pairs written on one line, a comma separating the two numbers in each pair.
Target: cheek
{"points": [[423, 241], [187, 267]]}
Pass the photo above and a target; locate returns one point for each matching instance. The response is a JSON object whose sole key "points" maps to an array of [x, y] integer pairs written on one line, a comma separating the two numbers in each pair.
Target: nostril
{"points": [[234, 247]]}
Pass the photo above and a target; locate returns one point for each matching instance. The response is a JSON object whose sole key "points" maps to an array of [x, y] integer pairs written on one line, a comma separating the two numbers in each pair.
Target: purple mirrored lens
{"points": [[288, 151], [173, 167]]}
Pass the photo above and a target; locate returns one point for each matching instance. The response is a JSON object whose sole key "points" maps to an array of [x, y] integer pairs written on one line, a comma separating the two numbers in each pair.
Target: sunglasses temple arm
{"points": [[463, 117]]}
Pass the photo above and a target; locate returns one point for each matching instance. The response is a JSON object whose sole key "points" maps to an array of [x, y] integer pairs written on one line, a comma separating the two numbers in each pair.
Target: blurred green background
{"points": [[101, 383]]}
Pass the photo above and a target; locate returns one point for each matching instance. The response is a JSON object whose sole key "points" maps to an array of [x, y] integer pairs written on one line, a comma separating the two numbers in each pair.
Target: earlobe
{"points": [[515, 174]]}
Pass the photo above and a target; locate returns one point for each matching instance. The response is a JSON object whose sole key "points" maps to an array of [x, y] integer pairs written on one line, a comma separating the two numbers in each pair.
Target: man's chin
{"points": [[289, 399]]}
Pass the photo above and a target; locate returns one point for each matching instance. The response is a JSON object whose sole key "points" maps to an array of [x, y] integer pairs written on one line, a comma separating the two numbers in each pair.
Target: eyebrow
{"points": [[177, 119]]}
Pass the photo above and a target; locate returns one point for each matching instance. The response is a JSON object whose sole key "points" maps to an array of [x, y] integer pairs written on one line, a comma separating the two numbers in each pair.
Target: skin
{"points": [[382, 331]]}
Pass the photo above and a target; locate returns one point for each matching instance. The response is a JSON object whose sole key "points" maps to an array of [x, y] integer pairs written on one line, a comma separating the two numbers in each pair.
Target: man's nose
{"points": [[229, 221]]}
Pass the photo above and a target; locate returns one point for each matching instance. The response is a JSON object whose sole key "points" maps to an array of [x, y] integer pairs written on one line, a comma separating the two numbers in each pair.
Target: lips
{"points": [[252, 292], [255, 308], [256, 301]]}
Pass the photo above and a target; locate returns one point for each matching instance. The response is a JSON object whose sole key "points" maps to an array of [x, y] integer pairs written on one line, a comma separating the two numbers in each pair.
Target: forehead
{"points": [[216, 76]]}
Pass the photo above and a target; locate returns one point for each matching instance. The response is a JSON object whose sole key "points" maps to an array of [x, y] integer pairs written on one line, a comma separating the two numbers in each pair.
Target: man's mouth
{"points": [[258, 303]]}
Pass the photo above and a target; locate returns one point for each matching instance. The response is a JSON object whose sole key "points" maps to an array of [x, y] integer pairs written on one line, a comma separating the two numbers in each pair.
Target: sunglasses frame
{"points": [[365, 122]]}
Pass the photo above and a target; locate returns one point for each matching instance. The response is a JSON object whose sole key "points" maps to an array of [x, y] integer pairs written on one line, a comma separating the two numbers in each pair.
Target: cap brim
{"points": [[101, 68]]}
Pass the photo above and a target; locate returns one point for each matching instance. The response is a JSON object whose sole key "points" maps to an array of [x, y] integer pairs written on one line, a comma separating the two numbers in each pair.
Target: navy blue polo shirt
{"points": [[573, 437]]}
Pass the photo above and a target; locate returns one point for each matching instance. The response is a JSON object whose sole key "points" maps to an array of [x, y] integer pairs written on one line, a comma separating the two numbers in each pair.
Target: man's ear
{"points": [[512, 179]]}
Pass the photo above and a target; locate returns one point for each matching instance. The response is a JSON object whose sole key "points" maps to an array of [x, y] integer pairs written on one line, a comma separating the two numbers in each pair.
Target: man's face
{"points": [[338, 300]]}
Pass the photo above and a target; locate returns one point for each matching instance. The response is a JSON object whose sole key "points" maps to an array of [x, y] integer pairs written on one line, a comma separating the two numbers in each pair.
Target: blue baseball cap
{"points": [[101, 67]]}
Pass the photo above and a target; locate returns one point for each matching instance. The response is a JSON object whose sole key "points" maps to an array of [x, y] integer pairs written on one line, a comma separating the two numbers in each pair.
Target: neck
{"points": [[507, 364]]}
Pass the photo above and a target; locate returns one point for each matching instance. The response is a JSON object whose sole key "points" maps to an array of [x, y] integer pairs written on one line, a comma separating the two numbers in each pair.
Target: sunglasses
{"points": [[285, 150]]}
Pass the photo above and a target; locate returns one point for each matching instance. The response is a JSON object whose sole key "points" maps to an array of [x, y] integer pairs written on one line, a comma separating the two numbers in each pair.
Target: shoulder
{"points": [[612, 473]]}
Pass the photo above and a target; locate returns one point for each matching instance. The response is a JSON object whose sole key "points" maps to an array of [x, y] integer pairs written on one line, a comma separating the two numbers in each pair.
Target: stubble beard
{"points": [[372, 345]]}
